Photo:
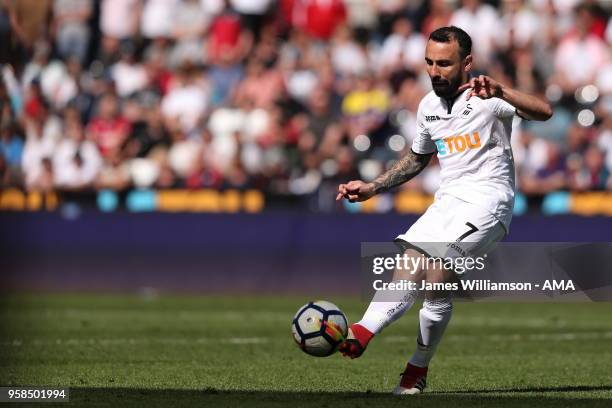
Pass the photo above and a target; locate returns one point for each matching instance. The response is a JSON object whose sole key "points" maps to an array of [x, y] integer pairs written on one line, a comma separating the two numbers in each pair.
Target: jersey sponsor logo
{"points": [[458, 143], [431, 118]]}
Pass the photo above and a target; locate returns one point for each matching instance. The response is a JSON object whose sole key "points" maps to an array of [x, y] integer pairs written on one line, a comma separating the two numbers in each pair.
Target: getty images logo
{"points": [[458, 143]]}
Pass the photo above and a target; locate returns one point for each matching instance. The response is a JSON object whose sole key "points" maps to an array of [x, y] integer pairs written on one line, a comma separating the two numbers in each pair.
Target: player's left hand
{"points": [[483, 87]]}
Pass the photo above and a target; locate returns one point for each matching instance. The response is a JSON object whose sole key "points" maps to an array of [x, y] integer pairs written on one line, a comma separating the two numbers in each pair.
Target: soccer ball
{"points": [[319, 327]]}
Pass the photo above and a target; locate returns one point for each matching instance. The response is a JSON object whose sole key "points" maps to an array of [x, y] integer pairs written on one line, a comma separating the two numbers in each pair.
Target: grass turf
{"points": [[237, 351]]}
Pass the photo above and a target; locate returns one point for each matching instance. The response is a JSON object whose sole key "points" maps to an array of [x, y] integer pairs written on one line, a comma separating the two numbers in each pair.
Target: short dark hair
{"points": [[448, 34]]}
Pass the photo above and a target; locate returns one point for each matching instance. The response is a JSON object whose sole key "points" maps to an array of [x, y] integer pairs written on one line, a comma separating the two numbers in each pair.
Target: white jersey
{"points": [[472, 139]]}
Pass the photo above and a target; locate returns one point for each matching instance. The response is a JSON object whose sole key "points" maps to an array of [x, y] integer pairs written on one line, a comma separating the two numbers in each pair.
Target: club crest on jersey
{"points": [[466, 111], [458, 143]]}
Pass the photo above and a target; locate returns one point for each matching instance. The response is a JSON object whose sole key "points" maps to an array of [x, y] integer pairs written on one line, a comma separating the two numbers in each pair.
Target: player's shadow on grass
{"points": [[525, 397], [570, 389]]}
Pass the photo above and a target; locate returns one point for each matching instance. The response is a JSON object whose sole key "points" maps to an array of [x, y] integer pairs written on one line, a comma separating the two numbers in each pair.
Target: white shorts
{"points": [[453, 228]]}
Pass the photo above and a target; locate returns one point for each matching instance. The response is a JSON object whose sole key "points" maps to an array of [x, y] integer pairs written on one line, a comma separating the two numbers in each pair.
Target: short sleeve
{"points": [[422, 143], [501, 108]]}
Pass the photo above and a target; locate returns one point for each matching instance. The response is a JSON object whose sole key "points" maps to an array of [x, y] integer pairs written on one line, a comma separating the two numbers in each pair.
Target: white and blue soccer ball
{"points": [[319, 328]]}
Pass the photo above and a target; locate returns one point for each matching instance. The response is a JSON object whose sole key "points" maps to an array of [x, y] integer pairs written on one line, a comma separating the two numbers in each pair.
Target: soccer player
{"points": [[467, 122]]}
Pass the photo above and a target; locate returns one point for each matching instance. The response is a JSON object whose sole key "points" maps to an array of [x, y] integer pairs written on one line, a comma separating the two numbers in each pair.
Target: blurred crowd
{"points": [[286, 96]]}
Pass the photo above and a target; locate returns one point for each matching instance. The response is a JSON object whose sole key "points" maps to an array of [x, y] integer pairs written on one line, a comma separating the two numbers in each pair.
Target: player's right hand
{"points": [[355, 191]]}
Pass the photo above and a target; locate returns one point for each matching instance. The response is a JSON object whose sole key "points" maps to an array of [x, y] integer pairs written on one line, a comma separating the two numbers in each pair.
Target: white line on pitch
{"points": [[134, 341], [514, 337], [263, 340]]}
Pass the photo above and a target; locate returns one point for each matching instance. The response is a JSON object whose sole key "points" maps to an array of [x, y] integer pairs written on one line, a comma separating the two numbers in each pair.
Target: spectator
{"points": [[228, 40], [481, 22], [604, 143], [546, 176], [119, 21], [190, 22], [30, 21], [76, 161], [184, 154], [129, 75], [186, 102], [156, 20], [407, 93], [319, 18], [260, 86], [561, 9], [365, 107], [42, 127], [580, 54], [108, 129], [403, 48], [232, 94], [72, 31], [6, 32], [43, 179], [114, 174], [253, 13], [59, 82], [321, 113], [43, 132], [148, 134], [203, 175], [388, 11], [588, 172], [160, 76], [348, 57], [11, 151], [519, 25], [439, 16]]}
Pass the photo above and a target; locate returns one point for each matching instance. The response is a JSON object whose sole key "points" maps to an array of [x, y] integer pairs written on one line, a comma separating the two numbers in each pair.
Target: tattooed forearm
{"points": [[403, 170]]}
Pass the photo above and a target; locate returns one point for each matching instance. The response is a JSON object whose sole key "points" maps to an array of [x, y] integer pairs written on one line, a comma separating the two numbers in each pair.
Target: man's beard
{"points": [[444, 88]]}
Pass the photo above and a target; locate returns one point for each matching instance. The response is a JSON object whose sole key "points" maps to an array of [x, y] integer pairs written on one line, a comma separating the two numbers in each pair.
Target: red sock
{"points": [[362, 334]]}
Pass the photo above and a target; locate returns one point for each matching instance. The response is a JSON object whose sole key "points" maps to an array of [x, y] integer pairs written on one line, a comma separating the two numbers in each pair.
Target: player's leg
{"points": [[388, 306], [434, 317], [385, 308], [437, 308]]}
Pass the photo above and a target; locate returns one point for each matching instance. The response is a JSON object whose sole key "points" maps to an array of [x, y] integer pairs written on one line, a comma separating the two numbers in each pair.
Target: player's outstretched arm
{"points": [[403, 170], [528, 106]]}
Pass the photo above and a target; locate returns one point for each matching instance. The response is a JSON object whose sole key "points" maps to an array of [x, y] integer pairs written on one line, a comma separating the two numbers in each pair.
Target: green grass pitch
{"points": [[237, 351]]}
